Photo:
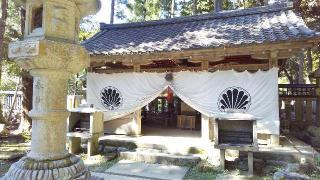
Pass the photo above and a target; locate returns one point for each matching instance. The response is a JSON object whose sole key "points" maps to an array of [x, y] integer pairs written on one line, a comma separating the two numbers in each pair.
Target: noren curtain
{"points": [[212, 94]]}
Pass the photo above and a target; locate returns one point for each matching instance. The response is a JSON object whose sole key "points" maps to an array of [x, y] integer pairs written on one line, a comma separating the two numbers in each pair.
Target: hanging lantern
{"points": [[169, 95]]}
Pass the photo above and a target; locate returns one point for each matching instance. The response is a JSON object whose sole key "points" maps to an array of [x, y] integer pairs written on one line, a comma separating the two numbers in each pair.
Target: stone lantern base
{"points": [[70, 167]]}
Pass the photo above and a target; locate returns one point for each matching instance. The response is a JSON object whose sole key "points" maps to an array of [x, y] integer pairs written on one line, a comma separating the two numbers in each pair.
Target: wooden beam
{"points": [[211, 54], [240, 67], [237, 67], [273, 59], [204, 65], [136, 68]]}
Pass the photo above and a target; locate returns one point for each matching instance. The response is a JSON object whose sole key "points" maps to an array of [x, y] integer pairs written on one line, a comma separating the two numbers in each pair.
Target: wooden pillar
{"points": [[273, 62], [136, 121], [211, 129], [205, 128]]}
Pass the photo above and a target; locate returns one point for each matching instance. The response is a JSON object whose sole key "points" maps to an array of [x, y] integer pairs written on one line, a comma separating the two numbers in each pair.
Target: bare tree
{"points": [[3, 20], [112, 12]]}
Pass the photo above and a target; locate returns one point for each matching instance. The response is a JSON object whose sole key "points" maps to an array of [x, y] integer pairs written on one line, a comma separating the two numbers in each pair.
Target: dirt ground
{"points": [[13, 147]]}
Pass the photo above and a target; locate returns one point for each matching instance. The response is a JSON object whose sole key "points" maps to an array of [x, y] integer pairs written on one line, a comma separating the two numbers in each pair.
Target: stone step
{"points": [[133, 145], [148, 156]]}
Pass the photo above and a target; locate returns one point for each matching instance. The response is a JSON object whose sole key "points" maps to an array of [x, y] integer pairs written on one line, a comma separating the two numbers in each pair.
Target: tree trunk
{"points": [[217, 5], [144, 10], [112, 12], [309, 61], [14, 100], [27, 92], [288, 76], [194, 7], [3, 20], [300, 78], [172, 8]]}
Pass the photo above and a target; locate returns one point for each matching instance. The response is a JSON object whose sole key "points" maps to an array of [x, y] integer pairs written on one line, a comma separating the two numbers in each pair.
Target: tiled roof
{"points": [[273, 23]]}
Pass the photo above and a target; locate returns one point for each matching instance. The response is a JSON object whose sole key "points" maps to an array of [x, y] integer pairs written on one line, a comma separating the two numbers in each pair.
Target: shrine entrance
{"points": [[168, 113]]}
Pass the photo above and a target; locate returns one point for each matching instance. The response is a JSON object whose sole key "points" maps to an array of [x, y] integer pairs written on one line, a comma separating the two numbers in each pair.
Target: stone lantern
{"points": [[50, 51]]}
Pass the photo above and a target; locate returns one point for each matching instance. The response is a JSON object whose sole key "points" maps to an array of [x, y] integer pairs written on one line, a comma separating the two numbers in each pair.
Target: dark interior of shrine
{"points": [[168, 111]]}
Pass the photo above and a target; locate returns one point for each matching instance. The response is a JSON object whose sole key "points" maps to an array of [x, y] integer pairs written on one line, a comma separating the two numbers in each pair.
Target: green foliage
{"points": [[143, 10], [76, 84], [202, 171], [88, 28], [203, 6]]}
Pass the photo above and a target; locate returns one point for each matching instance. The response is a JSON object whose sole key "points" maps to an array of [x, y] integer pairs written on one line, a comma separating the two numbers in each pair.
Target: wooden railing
{"points": [[7, 100], [297, 106]]}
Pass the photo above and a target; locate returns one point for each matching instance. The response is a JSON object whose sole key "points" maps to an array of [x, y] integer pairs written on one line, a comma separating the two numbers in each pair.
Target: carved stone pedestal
{"points": [[69, 167]]}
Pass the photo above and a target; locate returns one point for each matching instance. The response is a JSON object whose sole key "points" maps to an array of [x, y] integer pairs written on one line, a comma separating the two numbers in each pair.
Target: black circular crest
{"points": [[111, 98], [234, 99]]}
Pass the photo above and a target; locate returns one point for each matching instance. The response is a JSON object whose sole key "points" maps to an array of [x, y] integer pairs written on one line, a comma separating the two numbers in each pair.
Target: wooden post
{"points": [[273, 62], [93, 145], [216, 132], [299, 112], [74, 144], [211, 129], [288, 109], [318, 103], [250, 162], [254, 132], [205, 128], [309, 112], [222, 158]]}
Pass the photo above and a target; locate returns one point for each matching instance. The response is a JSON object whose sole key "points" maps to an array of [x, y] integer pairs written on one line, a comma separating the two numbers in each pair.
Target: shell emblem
{"points": [[111, 98], [234, 99]]}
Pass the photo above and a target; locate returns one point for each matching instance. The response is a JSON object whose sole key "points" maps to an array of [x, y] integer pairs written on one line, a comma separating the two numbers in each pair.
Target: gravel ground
{"points": [[4, 167]]}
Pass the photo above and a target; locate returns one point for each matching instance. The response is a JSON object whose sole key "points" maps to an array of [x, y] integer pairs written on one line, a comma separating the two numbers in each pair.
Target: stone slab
{"points": [[103, 176], [144, 170]]}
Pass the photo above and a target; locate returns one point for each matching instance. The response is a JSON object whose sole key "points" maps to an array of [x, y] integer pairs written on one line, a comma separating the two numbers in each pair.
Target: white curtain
{"points": [[129, 91], [203, 92], [212, 94]]}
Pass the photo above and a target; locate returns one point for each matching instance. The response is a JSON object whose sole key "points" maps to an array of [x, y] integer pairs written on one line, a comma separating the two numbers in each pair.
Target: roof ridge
{"points": [[223, 14]]}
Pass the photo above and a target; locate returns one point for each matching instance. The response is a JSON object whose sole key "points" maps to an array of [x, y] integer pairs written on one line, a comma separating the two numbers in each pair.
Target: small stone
{"points": [[122, 149], [294, 175], [258, 165], [111, 156], [204, 166], [292, 167], [280, 175], [100, 148], [109, 149]]}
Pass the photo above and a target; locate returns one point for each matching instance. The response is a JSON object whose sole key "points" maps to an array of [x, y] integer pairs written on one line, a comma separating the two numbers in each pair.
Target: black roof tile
{"points": [[237, 27]]}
